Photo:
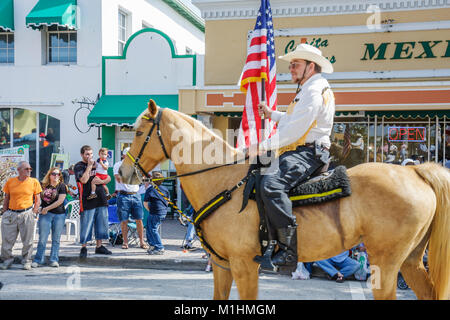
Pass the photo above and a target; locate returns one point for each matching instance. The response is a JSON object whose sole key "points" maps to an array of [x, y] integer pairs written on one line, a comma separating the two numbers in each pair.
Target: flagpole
{"points": [[263, 99]]}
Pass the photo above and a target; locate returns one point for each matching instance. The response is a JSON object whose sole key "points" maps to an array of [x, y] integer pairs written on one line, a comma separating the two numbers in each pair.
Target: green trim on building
{"points": [[109, 141], [172, 49], [120, 110], [186, 13], [7, 15], [53, 12]]}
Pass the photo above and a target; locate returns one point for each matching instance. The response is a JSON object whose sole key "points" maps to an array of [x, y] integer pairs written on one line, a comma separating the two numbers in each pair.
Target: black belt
{"points": [[127, 193], [19, 211]]}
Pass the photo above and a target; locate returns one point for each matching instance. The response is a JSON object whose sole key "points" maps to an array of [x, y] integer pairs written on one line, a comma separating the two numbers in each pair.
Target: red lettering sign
{"points": [[411, 134]]}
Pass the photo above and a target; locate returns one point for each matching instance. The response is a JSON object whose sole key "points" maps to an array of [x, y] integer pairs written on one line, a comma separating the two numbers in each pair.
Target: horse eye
{"points": [[139, 133]]}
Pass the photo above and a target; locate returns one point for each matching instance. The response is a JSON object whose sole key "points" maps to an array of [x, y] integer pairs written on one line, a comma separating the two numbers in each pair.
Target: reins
{"points": [[209, 207]]}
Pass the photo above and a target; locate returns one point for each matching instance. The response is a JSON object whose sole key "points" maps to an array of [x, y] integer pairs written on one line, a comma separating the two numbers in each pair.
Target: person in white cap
{"points": [[301, 142], [129, 204]]}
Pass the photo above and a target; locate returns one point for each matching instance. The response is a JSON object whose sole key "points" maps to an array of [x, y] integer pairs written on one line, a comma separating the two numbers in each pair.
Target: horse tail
{"points": [[438, 178]]}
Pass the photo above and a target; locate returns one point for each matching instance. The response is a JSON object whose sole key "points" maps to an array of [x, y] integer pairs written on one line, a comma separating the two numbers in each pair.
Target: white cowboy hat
{"points": [[310, 53], [125, 151]]}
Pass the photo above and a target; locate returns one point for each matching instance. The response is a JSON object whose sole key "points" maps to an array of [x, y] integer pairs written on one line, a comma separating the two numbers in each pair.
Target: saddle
{"points": [[322, 186]]}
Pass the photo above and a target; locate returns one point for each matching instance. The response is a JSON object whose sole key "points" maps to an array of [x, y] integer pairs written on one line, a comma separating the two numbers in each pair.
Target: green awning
{"points": [[7, 15], [410, 114], [62, 13], [124, 109]]}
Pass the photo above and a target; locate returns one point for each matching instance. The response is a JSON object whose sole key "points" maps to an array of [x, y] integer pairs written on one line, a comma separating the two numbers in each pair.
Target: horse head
{"points": [[147, 148]]}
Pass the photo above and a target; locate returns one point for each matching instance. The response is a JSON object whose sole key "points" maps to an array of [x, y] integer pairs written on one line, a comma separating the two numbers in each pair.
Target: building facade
{"points": [[53, 59], [391, 79]]}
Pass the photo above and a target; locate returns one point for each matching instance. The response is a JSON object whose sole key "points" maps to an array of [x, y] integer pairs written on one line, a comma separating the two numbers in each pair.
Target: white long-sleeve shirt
{"points": [[310, 106]]}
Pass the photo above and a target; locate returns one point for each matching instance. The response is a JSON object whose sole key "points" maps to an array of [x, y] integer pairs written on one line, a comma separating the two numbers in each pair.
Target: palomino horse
{"points": [[396, 211]]}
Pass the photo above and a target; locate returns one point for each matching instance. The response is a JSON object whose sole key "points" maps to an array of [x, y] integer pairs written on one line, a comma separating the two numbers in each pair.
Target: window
{"points": [[6, 47], [5, 128], [122, 31], [39, 131], [62, 45]]}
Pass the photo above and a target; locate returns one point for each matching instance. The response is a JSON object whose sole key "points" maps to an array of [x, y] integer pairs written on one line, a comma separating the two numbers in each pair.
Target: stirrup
{"points": [[265, 261]]}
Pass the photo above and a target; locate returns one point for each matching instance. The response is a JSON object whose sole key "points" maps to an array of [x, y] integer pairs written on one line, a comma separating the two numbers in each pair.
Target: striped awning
{"points": [[62, 13], [119, 110], [410, 114]]}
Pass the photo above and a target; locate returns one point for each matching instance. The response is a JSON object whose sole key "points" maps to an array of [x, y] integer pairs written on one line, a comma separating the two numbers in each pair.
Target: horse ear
{"points": [[152, 108]]}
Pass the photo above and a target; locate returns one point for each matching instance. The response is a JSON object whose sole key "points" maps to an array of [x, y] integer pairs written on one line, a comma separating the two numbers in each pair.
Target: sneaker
{"points": [[27, 266], [102, 250], [35, 265], [208, 268], [156, 252], [91, 196], [54, 264], [83, 253]]}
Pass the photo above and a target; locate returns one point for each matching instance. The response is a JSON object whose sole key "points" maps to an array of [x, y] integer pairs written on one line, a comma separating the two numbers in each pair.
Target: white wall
{"points": [[50, 89], [159, 15], [32, 84], [148, 68]]}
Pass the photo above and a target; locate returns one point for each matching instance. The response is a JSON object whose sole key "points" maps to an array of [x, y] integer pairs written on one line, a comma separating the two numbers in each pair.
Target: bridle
{"points": [[135, 161], [138, 167]]}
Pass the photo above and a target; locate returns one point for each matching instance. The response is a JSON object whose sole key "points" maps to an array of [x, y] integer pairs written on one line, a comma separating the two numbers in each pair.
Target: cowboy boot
{"points": [[287, 242]]}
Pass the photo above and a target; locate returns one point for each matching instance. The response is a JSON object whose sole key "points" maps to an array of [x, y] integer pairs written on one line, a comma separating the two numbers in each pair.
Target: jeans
{"points": [[292, 168], [347, 267], [153, 224], [97, 218], [129, 205], [190, 234], [47, 222]]}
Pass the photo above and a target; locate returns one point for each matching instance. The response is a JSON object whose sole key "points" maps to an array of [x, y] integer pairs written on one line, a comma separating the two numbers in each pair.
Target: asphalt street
{"points": [[105, 283]]}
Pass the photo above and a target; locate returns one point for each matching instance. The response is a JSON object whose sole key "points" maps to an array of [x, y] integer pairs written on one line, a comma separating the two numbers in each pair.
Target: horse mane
{"points": [[200, 128]]}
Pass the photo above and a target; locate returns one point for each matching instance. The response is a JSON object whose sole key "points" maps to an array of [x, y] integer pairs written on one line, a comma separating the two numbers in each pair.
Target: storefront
{"points": [[391, 72]]}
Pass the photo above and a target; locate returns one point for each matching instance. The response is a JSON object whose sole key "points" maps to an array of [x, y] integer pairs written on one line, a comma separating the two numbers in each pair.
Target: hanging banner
{"points": [[9, 158], [60, 160]]}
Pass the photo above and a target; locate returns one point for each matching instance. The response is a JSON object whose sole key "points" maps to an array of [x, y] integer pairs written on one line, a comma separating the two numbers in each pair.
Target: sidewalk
{"points": [[172, 238], [174, 257]]}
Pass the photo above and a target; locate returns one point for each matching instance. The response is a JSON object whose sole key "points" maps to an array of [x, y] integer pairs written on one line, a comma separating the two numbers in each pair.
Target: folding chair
{"points": [[73, 218], [114, 229], [115, 226]]}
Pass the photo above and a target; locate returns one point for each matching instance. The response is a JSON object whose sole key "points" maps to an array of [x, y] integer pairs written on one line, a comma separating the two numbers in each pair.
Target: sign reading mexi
{"points": [[411, 134]]}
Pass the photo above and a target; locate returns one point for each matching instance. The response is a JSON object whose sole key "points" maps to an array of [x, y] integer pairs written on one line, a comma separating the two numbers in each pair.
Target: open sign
{"points": [[411, 134]]}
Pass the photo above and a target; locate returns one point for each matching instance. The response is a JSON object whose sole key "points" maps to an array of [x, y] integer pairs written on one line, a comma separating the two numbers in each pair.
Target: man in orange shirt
{"points": [[19, 215]]}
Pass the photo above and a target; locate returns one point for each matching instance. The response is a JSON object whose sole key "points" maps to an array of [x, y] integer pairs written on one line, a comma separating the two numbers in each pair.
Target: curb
{"points": [[137, 263]]}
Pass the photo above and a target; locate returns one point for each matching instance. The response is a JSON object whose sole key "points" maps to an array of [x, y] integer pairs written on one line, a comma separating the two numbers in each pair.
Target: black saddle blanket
{"points": [[328, 186]]}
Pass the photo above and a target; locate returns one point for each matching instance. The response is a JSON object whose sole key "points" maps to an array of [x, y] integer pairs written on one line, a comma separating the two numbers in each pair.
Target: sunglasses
{"points": [[55, 173], [28, 169], [293, 65]]}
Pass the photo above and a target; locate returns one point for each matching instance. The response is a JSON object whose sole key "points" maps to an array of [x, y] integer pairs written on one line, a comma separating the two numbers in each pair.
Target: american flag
{"points": [[260, 65]]}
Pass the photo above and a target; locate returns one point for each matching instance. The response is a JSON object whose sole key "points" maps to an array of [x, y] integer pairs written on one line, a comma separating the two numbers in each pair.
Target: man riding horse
{"points": [[302, 143]]}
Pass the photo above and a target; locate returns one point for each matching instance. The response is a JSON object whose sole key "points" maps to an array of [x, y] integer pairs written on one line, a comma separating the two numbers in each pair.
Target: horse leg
{"points": [[245, 273], [415, 273], [223, 280], [383, 278]]}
